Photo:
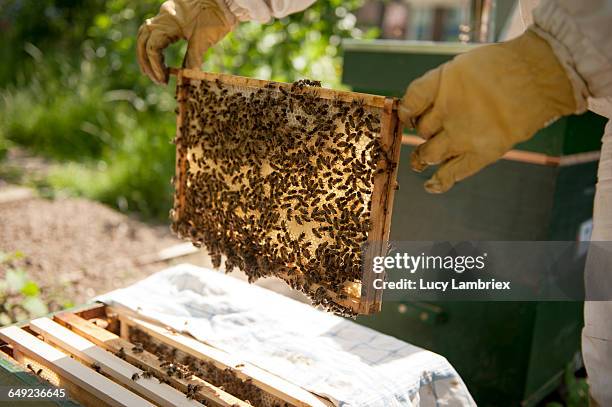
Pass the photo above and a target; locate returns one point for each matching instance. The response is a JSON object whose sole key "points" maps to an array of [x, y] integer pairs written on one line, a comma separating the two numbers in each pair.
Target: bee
{"points": [[135, 376], [36, 372], [192, 390]]}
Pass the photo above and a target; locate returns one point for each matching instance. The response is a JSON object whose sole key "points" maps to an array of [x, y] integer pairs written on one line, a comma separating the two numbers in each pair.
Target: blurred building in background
{"points": [[437, 20]]}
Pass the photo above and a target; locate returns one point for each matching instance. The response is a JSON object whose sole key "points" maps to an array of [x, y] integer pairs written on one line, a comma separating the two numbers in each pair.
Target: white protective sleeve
{"points": [[262, 11], [597, 332], [580, 33]]}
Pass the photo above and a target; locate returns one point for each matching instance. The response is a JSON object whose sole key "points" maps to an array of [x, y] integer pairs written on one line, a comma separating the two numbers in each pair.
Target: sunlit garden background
{"points": [[71, 90]]}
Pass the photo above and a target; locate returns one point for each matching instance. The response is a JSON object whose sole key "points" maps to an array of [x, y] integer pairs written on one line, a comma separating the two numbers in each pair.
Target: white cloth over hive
{"points": [[328, 355]]}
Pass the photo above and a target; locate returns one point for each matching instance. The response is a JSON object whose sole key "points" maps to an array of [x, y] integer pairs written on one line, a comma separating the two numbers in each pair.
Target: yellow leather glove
{"points": [[474, 108], [202, 23]]}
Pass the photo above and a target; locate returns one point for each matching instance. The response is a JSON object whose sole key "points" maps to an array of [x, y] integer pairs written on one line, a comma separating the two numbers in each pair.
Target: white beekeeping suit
{"points": [[580, 33], [476, 107], [262, 11]]}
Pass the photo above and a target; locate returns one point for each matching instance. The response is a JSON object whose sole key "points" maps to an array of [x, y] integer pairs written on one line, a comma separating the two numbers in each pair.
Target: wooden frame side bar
{"points": [[181, 151], [385, 182]]}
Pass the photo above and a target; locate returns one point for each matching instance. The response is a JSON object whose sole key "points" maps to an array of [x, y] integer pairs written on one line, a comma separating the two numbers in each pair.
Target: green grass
{"points": [[110, 145], [4, 146], [65, 118], [135, 178]]}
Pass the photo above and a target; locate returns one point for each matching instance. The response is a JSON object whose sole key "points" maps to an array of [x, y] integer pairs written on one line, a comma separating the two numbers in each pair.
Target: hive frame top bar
{"points": [[325, 93]]}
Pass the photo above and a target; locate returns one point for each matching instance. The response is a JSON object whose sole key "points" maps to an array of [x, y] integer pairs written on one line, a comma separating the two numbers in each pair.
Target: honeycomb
{"points": [[279, 181]]}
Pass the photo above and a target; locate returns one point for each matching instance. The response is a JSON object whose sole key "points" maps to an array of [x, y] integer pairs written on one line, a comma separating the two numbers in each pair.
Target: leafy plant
{"points": [[19, 296], [64, 117], [574, 391]]}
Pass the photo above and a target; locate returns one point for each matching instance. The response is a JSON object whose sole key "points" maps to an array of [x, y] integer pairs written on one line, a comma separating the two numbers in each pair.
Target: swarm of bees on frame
{"points": [[180, 365], [279, 181]]}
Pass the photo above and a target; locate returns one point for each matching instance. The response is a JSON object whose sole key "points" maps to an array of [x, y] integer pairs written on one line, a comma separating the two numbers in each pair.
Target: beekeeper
{"points": [[470, 110]]}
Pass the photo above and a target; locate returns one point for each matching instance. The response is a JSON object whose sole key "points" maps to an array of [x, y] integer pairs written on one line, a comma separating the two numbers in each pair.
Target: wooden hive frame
{"points": [[368, 300], [90, 353]]}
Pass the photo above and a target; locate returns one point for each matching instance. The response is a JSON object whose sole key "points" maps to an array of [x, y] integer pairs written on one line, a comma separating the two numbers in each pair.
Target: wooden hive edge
{"points": [[325, 93]]}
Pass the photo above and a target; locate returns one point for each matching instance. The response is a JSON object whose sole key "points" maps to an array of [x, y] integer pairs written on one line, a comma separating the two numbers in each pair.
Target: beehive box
{"points": [[287, 180], [114, 357]]}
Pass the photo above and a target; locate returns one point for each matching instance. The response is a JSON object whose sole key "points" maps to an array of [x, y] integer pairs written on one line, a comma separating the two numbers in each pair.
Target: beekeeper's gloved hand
{"points": [[474, 108], [201, 22]]}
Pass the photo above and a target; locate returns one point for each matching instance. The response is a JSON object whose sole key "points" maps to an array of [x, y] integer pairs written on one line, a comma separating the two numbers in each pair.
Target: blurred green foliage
{"points": [[574, 391], [19, 296], [72, 89]]}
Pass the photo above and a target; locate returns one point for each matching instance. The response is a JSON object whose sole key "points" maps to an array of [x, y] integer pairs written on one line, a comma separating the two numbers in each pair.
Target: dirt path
{"points": [[75, 248]]}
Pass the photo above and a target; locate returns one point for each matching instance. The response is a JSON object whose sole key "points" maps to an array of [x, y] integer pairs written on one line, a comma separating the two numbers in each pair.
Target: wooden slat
{"points": [[92, 310], [117, 369], [264, 380], [579, 158], [325, 93], [382, 206], [15, 373], [113, 343], [76, 393], [106, 390]]}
